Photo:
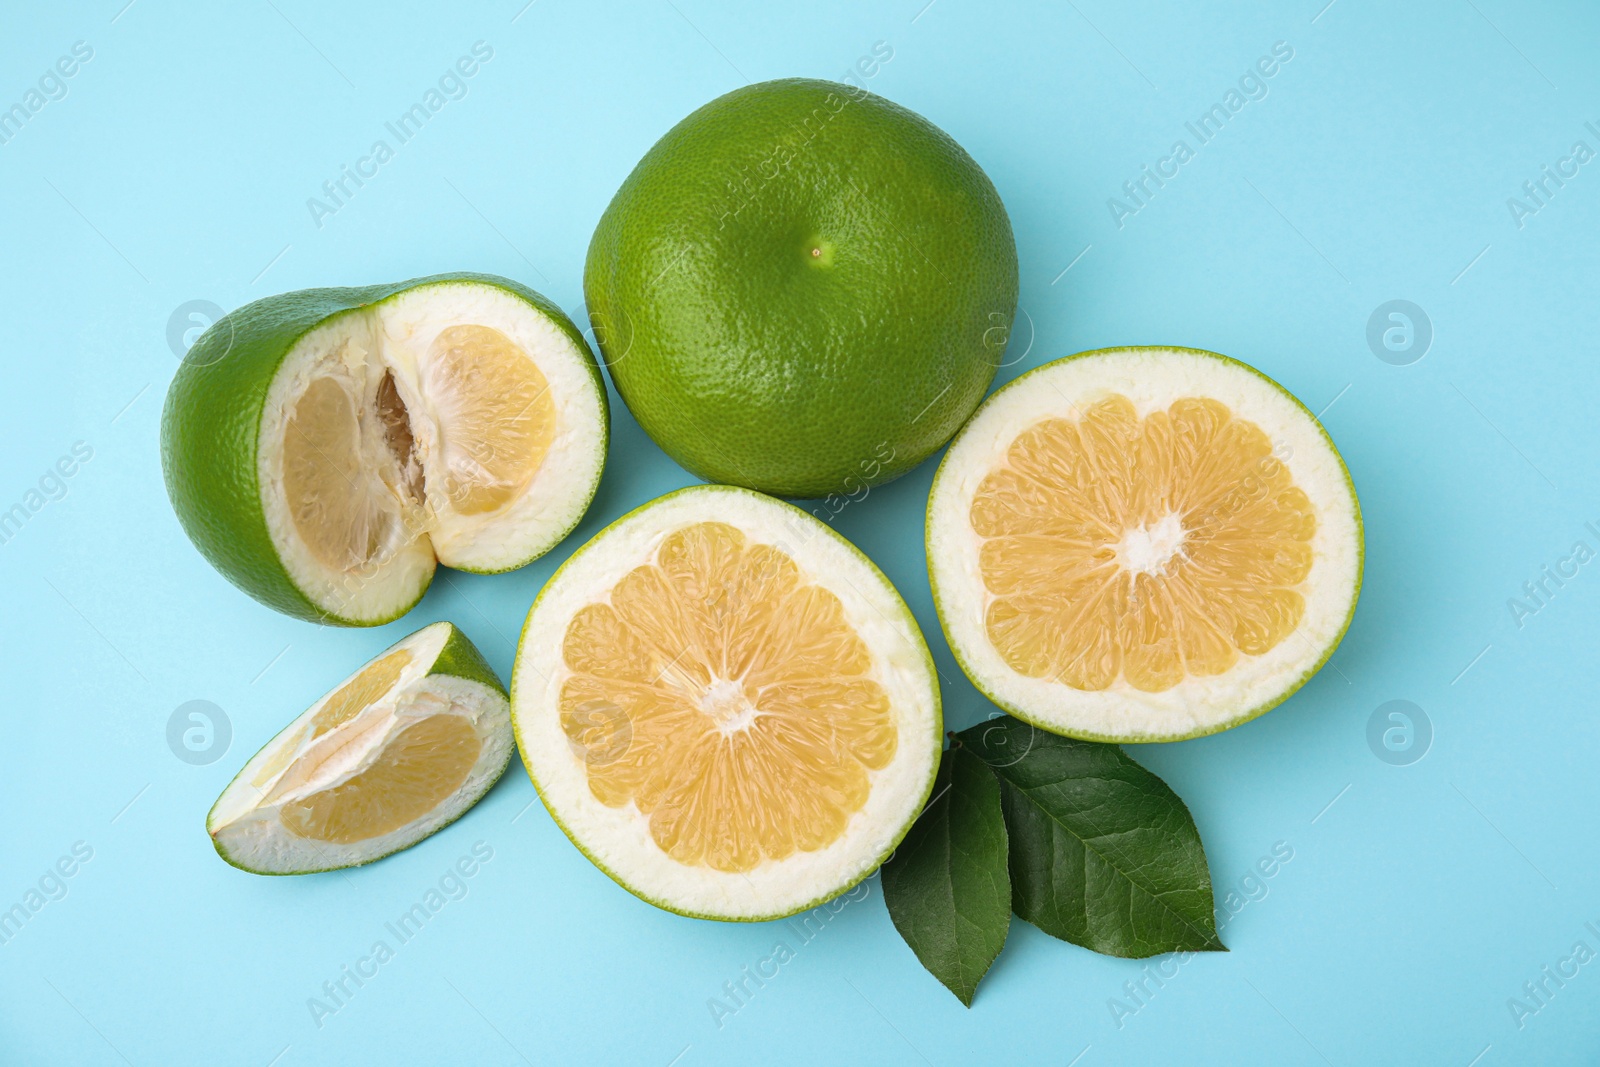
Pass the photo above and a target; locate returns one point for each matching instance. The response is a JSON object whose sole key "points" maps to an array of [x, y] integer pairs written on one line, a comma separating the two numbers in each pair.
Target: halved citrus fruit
{"points": [[726, 706], [325, 449], [395, 752], [1143, 544]]}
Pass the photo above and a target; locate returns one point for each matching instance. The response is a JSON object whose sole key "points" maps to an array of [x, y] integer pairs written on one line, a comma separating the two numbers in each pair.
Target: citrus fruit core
{"points": [[749, 695], [1149, 549]]}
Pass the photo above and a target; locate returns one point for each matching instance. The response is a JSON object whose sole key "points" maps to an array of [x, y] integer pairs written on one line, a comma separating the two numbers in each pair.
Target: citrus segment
{"points": [[328, 495], [1142, 544], [355, 695], [760, 734], [496, 415]]}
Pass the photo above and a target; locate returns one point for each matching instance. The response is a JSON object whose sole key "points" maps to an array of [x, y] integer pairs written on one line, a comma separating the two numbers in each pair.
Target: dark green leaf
{"points": [[946, 886], [1103, 854]]}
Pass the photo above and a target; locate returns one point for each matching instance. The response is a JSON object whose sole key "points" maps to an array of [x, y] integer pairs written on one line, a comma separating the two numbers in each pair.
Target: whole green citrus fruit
{"points": [[803, 288]]}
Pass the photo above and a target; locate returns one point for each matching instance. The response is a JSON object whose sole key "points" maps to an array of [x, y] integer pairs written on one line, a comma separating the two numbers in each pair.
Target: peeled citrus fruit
{"points": [[397, 751], [1143, 544], [726, 706], [325, 449], [802, 288]]}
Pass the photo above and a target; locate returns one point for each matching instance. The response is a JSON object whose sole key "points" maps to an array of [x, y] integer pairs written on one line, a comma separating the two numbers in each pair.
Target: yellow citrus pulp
{"points": [[497, 413], [1145, 549], [419, 767], [751, 715], [358, 693]]}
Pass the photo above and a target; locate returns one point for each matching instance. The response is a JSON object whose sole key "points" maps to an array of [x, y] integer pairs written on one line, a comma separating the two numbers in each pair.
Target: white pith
{"points": [[1152, 379], [618, 839], [245, 822], [1146, 549], [395, 335]]}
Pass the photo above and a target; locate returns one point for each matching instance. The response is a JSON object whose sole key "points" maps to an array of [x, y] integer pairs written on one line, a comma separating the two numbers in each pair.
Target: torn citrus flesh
{"points": [[749, 695], [418, 768], [497, 413], [1149, 549]]}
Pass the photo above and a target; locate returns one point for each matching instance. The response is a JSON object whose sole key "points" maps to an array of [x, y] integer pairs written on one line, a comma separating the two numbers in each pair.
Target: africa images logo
{"points": [[451, 85], [1251, 85], [51, 86]]}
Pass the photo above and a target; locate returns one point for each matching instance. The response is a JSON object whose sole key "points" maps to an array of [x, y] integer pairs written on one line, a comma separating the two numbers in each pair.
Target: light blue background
{"points": [[1378, 167]]}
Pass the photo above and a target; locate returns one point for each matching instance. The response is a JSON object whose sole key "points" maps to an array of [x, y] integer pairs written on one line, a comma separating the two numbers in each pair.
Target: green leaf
{"points": [[946, 886], [1103, 853]]}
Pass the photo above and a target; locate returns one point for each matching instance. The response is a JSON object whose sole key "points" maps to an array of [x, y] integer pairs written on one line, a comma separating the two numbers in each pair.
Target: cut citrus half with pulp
{"points": [[726, 706], [396, 751], [325, 449], [1143, 544]]}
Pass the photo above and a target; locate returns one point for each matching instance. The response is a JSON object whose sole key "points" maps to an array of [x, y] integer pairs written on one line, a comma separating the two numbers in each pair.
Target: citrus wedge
{"points": [[1143, 544], [396, 751], [325, 449], [726, 706]]}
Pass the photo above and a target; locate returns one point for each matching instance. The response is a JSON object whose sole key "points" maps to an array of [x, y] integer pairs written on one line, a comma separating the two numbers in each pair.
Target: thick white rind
{"points": [[249, 834], [618, 839], [1152, 378]]}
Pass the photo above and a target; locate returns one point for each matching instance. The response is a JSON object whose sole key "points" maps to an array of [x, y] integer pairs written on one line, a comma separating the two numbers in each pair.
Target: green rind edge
{"points": [[937, 740], [460, 658], [210, 464], [463, 653], [1248, 714]]}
